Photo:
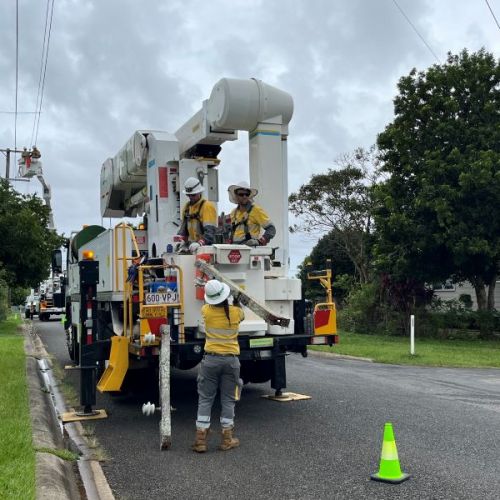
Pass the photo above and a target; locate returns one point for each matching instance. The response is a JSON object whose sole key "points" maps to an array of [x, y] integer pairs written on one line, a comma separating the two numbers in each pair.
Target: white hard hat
{"points": [[193, 186], [216, 292], [241, 185]]}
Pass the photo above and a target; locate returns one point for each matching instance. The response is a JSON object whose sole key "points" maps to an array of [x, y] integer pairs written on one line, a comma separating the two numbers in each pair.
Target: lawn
{"points": [[429, 352], [17, 456]]}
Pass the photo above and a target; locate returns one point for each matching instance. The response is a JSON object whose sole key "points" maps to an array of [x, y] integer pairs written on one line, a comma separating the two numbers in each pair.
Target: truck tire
{"points": [[256, 372]]}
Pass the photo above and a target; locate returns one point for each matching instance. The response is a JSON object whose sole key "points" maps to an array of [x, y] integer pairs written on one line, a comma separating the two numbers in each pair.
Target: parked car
{"points": [[31, 306]]}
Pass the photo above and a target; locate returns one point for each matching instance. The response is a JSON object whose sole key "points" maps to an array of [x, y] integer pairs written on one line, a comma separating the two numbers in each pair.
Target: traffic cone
{"points": [[389, 470]]}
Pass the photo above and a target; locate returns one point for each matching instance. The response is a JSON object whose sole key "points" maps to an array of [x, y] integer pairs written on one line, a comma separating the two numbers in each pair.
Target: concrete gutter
{"points": [[56, 478], [323, 354]]}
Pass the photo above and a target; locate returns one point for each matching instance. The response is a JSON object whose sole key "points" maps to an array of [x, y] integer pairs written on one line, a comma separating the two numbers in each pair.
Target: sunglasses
{"points": [[243, 193]]}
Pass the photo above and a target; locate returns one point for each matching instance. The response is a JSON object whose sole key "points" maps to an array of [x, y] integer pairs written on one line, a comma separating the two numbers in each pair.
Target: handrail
{"points": [[121, 229]]}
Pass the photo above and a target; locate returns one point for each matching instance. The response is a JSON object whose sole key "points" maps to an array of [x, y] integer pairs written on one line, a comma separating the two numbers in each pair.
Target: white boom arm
{"points": [[147, 174], [31, 166]]}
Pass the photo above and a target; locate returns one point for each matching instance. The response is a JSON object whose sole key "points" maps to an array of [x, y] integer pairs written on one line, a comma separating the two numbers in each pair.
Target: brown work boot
{"points": [[228, 441], [200, 443]]}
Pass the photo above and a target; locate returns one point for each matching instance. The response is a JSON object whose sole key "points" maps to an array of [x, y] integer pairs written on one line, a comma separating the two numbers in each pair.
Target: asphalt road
{"points": [[446, 423]]}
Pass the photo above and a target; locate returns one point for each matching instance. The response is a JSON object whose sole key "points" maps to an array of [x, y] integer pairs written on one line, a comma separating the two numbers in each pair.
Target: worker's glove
{"points": [[194, 246], [252, 242], [181, 247], [262, 241]]}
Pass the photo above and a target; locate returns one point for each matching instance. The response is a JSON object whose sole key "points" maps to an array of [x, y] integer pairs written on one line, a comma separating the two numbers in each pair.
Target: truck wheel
{"points": [[42, 317], [256, 372]]}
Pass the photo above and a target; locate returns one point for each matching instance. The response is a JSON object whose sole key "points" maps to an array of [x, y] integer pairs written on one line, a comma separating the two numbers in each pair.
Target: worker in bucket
{"points": [[250, 224], [199, 219], [220, 366]]}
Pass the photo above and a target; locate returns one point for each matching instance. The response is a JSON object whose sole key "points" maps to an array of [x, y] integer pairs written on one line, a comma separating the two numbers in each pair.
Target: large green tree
{"points": [[27, 243], [439, 210], [340, 202]]}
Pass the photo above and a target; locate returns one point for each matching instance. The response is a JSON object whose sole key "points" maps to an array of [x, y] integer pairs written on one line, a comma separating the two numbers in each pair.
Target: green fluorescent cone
{"points": [[389, 470]]}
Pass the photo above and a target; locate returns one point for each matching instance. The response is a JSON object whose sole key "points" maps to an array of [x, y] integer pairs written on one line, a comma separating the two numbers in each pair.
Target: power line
{"points": [[41, 71], [41, 87], [492, 13], [17, 72], [416, 31]]}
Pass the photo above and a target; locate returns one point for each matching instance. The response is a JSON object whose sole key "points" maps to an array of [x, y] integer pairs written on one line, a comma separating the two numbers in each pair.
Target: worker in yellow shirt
{"points": [[220, 367], [199, 219], [250, 224]]}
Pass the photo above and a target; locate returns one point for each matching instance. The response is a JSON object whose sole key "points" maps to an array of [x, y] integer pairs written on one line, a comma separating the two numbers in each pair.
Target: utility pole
{"points": [[7, 153]]}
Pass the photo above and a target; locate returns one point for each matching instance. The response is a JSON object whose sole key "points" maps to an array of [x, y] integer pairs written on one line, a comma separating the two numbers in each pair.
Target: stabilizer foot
{"points": [[286, 396]]}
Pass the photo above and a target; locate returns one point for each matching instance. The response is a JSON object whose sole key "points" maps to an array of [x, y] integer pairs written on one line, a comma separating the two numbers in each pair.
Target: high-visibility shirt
{"points": [[221, 335], [248, 223], [199, 221]]}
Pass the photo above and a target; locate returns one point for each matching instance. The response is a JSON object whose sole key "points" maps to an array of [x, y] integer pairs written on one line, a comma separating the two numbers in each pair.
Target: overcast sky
{"points": [[116, 66]]}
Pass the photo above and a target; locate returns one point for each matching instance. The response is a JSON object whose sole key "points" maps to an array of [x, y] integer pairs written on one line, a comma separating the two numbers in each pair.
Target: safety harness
{"points": [[243, 222], [196, 216]]}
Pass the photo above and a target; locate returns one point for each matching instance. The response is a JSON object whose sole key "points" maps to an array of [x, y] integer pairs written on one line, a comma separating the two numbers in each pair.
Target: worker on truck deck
{"points": [[199, 218], [249, 220], [220, 366]]}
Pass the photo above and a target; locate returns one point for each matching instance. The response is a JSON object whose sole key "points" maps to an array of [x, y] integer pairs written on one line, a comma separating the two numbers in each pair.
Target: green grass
{"points": [[17, 456], [428, 352]]}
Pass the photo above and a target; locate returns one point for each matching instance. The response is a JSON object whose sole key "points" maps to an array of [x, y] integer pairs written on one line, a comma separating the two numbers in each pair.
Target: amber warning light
{"points": [[88, 255]]}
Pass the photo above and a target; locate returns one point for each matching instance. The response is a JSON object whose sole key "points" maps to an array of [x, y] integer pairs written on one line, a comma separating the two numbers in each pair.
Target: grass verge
{"points": [[428, 352], [17, 456]]}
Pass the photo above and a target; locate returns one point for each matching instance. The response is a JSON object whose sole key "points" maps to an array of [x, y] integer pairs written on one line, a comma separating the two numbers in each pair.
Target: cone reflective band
{"points": [[389, 470]]}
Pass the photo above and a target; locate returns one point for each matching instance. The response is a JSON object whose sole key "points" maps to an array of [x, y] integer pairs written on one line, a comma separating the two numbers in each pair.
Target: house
{"points": [[450, 291]]}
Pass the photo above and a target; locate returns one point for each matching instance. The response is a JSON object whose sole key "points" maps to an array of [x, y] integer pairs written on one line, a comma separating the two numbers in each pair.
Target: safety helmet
{"points": [[216, 292], [241, 185], [193, 186]]}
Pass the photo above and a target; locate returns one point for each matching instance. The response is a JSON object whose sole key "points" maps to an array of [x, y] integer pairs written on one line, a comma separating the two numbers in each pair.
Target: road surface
{"points": [[446, 424]]}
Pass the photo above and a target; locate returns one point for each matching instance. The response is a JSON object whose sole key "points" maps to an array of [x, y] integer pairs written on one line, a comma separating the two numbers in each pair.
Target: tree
{"points": [[438, 214], [341, 201], [27, 243]]}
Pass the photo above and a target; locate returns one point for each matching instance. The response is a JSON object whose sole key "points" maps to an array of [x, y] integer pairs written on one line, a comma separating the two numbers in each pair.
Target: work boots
{"points": [[228, 441], [200, 443]]}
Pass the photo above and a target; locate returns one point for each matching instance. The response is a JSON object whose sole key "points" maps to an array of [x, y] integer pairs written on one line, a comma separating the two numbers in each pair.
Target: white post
{"points": [[412, 334], [165, 422]]}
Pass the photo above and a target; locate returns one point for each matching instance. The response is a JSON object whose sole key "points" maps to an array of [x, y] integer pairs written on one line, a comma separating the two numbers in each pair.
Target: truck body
{"points": [[126, 286]]}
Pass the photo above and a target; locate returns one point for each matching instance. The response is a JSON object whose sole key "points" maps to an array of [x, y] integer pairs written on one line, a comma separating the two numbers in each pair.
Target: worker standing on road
{"points": [[248, 220], [199, 218], [220, 367]]}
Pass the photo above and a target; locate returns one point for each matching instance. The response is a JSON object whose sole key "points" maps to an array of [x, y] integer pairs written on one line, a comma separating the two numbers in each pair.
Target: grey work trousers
{"points": [[218, 372]]}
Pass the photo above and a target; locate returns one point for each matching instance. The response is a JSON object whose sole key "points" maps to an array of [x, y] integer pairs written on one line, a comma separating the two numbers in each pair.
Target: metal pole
{"points": [[7, 164], [412, 334], [165, 422]]}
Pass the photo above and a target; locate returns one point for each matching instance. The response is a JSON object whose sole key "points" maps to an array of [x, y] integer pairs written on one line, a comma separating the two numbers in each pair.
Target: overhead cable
{"points": [[17, 73], [416, 31], [43, 70], [492, 13]]}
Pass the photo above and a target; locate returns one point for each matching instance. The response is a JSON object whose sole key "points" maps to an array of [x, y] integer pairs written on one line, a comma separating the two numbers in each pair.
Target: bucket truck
{"points": [[51, 291], [127, 287]]}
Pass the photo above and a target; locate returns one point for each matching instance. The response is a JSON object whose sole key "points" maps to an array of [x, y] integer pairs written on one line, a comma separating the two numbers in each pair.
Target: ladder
{"points": [[242, 297]]}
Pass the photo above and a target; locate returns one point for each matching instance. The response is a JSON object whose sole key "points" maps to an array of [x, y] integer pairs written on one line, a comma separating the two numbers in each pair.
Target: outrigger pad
{"points": [[286, 396], [72, 416]]}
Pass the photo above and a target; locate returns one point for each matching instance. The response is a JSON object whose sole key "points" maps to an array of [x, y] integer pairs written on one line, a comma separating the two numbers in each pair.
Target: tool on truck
{"points": [[50, 292], [128, 289]]}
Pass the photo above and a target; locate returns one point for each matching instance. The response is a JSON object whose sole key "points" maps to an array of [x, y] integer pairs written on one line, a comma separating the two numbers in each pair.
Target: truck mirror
{"points": [[56, 261]]}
